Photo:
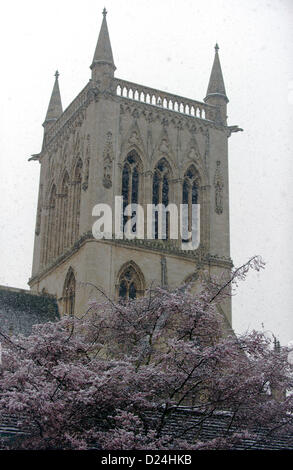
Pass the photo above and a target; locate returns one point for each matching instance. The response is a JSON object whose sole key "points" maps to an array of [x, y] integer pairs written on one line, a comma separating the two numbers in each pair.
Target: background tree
{"points": [[115, 378]]}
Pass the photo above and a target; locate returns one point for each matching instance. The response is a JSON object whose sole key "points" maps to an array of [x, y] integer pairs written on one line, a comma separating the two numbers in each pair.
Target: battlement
{"points": [[135, 92], [162, 99]]}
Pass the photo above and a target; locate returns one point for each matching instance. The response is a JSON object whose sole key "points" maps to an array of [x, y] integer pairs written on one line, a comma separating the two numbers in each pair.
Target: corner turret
{"points": [[216, 92]]}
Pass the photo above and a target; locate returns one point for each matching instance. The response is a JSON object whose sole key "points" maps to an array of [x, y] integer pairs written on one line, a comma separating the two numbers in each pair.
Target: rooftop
{"points": [[20, 309]]}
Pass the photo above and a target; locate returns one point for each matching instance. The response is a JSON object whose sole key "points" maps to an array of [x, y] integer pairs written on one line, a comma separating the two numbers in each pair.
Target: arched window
{"points": [[161, 180], [51, 228], [62, 229], [130, 181], [69, 293], [76, 194], [190, 193], [130, 282]]}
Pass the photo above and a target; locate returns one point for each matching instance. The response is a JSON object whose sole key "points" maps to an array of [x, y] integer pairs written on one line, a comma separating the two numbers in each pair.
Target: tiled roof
{"points": [[191, 425], [11, 428], [186, 424]]}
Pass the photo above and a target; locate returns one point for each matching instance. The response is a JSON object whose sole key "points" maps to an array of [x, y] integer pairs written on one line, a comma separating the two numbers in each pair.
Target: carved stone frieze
{"points": [[133, 140], [219, 185], [164, 115], [86, 164], [108, 157], [163, 148]]}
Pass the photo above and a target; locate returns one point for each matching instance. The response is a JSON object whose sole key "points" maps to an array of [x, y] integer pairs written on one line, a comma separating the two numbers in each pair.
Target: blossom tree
{"points": [[116, 377]]}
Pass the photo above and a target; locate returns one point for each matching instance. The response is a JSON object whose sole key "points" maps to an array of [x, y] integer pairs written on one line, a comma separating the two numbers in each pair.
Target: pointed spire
{"points": [[55, 106], [216, 84], [103, 53]]}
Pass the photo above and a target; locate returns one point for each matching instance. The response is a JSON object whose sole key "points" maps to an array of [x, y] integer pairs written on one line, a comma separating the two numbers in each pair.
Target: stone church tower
{"points": [[122, 138]]}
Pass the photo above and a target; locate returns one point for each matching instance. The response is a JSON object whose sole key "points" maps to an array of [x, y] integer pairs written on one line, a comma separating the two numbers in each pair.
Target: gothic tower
{"points": [[119, 138]]}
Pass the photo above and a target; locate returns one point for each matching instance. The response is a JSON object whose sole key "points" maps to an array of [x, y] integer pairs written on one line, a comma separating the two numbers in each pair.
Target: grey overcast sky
{"points": [[165, 44]]}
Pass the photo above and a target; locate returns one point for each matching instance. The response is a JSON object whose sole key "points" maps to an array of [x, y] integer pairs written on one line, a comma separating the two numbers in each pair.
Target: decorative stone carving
{"points": [[107, 85], [164, 147], [207, 145], [164, 281], [76, 144], [86, 174], [192, 129], [87, 164], [108, 157], [162, 114], [193, 153], [219, 185], [135, 114], [165, 122], [149, 117], [93, 94], [133, 141]]}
